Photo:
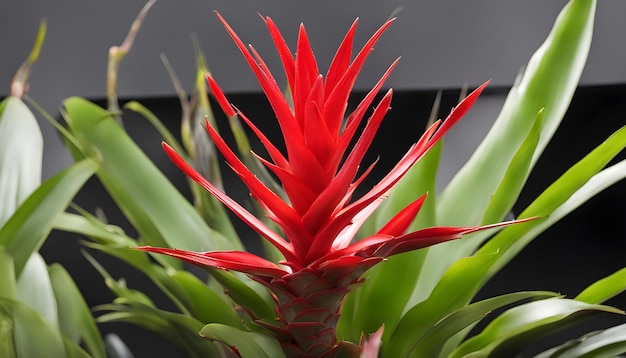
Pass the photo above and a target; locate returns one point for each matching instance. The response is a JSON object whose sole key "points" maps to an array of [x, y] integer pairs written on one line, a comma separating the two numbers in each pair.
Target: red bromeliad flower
{"points": [[319, 175]]}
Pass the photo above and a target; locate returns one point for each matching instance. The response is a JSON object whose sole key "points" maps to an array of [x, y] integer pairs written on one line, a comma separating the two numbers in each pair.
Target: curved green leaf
{"points": [[160, 213], [7, 276], [25, 333], [448, 296], [34, 289], [75, 320], [509, 189], [179, 330], [559, 195], [245, 292], [549, 82], [27, 229], [513, 330], [21, 152], [248, 344], [605, 288], [433, 341], [608, 343], [206, 305]]}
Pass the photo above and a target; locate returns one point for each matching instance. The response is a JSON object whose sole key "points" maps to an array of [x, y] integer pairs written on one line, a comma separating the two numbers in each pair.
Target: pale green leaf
{"points": [[27, 229], [608, 343], [34, 289], [513, 330], [21, 152], [432, 343]]}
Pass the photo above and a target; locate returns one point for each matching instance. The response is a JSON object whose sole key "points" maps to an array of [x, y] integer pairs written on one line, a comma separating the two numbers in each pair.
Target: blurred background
{"points": [[444, 45]]}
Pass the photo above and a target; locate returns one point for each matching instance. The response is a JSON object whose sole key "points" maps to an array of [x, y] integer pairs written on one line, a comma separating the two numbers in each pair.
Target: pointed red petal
{"points": [[240, 261], [402, 220], [333, 194], [341, 61], [257, 188], [220, 97], [283, 51], [252, 221], [458, 112], [335, 103], [268, 84], [274, 153], [432, 236], [306, 73], [354, 121]]}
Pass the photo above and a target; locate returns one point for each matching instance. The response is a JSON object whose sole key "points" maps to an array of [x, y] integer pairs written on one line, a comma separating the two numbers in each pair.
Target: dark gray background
{"points": [[443, 44]]}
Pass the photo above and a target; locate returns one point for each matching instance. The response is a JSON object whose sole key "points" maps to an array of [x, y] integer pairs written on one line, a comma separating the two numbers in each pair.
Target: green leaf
{"points": [[559, 195], [21, 151], [179, 330], [206, 305], [159, 212], [448, 296], [549, 82], [608, 343], [604, 289], [248, 344], [34, 289], [516, 328], [7, 276], [24, 333], [75, 320], [550, 79], [509, 189], [26, 230], [246, 293], [156, 123], [357, 315], [432, 343]]}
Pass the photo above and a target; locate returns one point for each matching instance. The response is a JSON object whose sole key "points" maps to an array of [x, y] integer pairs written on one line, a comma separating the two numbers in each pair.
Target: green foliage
{"points": [[429, 295]]}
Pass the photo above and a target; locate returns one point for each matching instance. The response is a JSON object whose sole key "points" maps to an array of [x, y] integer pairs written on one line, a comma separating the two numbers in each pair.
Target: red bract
{"points": [[319, 175]]}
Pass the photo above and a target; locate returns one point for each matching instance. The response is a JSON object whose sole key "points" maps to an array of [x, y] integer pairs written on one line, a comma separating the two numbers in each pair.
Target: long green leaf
{"points": [[34, 289], [180, 330], [549, 82], [21, 152], [605, 288], [248, 344], [75, 320], [206, 305], [512, 331], [27, 229], [433, 341], [448, 296], [158, 211], [512, 239], [608, 343], [32, 335], [7, 276]]}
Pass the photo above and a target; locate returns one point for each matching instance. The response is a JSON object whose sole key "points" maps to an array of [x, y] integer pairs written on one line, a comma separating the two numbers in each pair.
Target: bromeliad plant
{"points": [[319, 177], [324, 286]]}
